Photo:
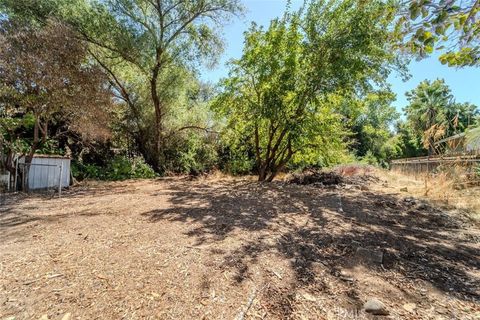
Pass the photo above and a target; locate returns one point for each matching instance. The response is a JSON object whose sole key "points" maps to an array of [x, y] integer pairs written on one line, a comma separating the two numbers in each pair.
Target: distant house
{"points": [[457, 144]]}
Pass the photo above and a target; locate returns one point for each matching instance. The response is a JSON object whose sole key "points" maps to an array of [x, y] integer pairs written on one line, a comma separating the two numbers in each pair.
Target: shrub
{"points": [[119, 168]]}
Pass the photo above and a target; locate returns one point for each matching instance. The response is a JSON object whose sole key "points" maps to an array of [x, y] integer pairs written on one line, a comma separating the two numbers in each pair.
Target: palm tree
{"points": [[427, 112]]}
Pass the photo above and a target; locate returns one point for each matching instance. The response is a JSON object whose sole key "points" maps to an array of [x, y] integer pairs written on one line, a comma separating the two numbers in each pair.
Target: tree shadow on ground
{"points": [[315, 225], [15, 216]]}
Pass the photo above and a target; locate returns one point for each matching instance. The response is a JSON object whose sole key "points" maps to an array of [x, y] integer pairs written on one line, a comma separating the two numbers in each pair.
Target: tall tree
{"points": [[433, 113], [44, 74], [277, 92], [142, 44], [372, 125]]}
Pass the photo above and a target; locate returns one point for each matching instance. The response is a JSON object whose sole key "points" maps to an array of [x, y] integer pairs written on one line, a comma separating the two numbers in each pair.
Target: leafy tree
{"points": [[460, 116], [45, 78], [277, 94], [426, 112], [145, 47], [453, 27], [408, 141], [432, 113], [371, 125]]}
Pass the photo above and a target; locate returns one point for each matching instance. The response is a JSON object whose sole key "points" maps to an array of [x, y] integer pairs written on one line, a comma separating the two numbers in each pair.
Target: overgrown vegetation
{"points": [[115, 84]]}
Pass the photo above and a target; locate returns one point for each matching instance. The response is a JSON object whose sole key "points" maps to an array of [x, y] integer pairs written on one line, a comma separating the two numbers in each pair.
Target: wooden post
{"points": [[16, 174], [60, 181], [23, 178]]}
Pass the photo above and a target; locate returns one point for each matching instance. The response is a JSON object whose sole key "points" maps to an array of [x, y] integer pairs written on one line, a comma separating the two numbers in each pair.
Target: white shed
{"points": [[46, 171]]}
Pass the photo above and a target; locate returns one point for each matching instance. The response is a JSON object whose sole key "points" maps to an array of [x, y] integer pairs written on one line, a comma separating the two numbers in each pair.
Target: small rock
{"points": [[363, 188], [404, 189], [346, 279], [375, 307], [410, 307]]}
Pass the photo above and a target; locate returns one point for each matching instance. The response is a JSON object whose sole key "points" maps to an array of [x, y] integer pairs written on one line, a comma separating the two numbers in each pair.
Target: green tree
{"points": [[277, 94], [452, 27], [432, 113], [460, 116], [372, 126], [44, 77], [409, 143], [427, 111], [144, 46]]}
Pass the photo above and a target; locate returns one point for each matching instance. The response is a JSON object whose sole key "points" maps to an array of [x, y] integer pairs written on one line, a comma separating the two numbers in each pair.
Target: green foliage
{"points": [[409, 143], [277, 95], [450, 27], [371, 120], [369, 158], [433, 114], [191, 154], [119, 168], [239, 164]]}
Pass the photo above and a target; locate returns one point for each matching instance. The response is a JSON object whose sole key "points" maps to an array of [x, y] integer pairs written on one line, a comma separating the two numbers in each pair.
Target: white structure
{"points": [[5, 181], [46, 171]]}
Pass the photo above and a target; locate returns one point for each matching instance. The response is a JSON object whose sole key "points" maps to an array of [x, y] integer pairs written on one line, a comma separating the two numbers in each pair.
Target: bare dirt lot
{"points": [[177, 248]]}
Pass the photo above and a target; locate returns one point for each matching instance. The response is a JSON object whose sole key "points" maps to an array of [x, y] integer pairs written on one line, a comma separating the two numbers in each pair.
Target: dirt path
{"points": [[179, 249]]}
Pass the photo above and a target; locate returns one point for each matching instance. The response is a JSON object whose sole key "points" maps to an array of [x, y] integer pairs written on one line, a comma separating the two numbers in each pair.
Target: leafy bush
{"points": [[191, 154], [238, 164], [369, 158], [119, 168]]}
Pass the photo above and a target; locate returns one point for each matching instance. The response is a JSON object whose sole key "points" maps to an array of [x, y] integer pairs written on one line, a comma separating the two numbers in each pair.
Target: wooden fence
{"points": [[465, 163]]}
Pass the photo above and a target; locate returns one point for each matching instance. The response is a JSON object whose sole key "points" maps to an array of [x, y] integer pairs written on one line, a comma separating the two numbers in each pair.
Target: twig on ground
{"points": [[31, 281], [249, 303]]}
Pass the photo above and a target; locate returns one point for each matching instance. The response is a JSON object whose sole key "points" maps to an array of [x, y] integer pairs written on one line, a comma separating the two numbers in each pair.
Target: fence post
{"points": [[23, 178], [16, 174], [60, 182]]}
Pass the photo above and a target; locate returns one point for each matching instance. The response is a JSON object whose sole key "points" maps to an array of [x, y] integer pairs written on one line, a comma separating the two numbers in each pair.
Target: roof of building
{"points": [[51, 156]]}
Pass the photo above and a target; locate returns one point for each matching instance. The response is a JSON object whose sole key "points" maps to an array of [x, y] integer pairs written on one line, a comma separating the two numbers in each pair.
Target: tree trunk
{"points": [[31, 153], [262, 173], [36, 139], [158, 109]]}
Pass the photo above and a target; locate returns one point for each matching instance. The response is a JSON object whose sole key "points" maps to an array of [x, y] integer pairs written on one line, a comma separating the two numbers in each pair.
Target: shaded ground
{"points": [[181, 249]]}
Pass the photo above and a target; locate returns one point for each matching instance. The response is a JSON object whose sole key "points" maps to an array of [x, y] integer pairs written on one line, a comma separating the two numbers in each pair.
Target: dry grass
{"points": [[440, 189]]}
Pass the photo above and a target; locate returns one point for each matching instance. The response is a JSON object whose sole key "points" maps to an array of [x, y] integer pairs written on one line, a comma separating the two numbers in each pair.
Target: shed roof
{"points": [[51, 156]]}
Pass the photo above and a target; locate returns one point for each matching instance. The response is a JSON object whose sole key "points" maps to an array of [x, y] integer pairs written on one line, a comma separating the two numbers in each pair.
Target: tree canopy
{"points": [[451, 27], [278, 92], [146, 48], [433, 114], [45, 78]]}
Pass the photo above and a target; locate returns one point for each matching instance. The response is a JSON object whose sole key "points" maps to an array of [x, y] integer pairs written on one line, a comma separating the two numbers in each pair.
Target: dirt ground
{"points": [[176, 248]]}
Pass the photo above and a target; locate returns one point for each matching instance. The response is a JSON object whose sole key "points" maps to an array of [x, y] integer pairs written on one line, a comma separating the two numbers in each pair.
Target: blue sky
{"points": [[465, 82]]}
